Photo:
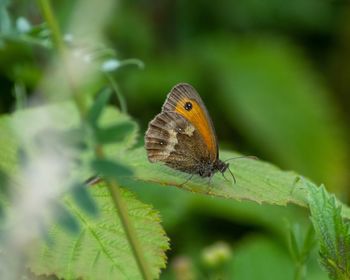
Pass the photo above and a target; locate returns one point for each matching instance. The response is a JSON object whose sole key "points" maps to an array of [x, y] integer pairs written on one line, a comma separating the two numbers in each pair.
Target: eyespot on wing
{"points": [[184, 100]]}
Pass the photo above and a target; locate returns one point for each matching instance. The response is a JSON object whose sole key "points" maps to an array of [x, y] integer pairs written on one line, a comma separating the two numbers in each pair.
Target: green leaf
{"points": [[61, 123], [100, 250], [65, 218], [97, 108], [61, 117], [110, 169], [83, 198], [309, 243], [332, 231], [300, 247], [110, 237], [294, 242], [300, 243], [114, 133], [256, 180]]}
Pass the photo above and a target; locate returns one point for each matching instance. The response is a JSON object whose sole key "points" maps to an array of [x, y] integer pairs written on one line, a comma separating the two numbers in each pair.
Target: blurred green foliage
{"points": [[274, 76], [332, 231]]}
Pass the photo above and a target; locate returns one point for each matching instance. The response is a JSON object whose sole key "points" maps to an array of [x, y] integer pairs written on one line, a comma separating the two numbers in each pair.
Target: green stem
{"points": [[20, 96], [112, 186], [58, 42], [121, 99], [129, 230], [300, 271], [132, 61]]}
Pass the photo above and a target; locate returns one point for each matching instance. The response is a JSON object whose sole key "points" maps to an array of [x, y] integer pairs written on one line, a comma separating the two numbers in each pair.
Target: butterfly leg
{"points": [[209, 184], [184, 183], [223, 175]]}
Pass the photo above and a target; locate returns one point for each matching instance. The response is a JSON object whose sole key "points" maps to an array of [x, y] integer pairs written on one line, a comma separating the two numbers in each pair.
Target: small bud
{"points": [[216, 254], [110, 65], [23, 25], [183, 268]]}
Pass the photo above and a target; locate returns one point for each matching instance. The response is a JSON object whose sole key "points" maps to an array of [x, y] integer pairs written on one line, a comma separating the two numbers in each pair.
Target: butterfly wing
{"points": [[172, 139], [184, 100]]}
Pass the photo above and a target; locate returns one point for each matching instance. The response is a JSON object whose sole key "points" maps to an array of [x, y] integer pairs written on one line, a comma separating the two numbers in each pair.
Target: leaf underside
{"points": [[101, 250], [256, 180]]}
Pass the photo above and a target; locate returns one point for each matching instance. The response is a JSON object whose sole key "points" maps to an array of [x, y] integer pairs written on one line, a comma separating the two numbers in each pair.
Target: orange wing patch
{"points": [[198, 118]]}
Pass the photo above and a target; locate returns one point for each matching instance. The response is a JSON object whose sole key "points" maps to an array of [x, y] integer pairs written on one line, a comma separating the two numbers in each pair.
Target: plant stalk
{"points": [[300, 271], [58, 42], [112, 186], [121, 99], [129, 230]]}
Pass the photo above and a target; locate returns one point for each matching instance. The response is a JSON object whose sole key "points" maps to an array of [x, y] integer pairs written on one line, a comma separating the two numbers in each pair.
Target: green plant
{"points": [[332, 231], [104, 230]]}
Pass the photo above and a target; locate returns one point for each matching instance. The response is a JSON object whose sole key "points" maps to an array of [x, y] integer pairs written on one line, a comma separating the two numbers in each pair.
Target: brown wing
{"points": [[179, 97], [172, 139]]}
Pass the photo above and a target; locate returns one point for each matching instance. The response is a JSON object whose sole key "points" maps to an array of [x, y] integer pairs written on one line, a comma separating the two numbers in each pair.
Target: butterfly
{"points": [[183, 136]]}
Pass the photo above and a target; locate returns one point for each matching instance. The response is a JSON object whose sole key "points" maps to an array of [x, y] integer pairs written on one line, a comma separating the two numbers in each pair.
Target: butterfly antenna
{"points": [[251, 157]]}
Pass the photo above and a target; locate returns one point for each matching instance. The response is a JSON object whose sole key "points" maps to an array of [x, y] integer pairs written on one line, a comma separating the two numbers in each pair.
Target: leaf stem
{"points": [[80, 103], [20, 94], [59, 44], [121, 99], [129, 230], [300, 271]]}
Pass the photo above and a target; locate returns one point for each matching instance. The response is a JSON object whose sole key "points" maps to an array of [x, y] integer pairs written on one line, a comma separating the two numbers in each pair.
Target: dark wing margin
{"points": [[179, 92], [186, 91]]}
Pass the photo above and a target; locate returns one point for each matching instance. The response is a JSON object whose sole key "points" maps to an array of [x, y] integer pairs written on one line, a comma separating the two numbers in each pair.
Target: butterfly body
{"points": [[182, 136]]}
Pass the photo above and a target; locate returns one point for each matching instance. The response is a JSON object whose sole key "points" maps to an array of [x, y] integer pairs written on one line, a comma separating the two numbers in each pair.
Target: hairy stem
{"points": [[129, 229], [80, 103], [57, 39]]}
